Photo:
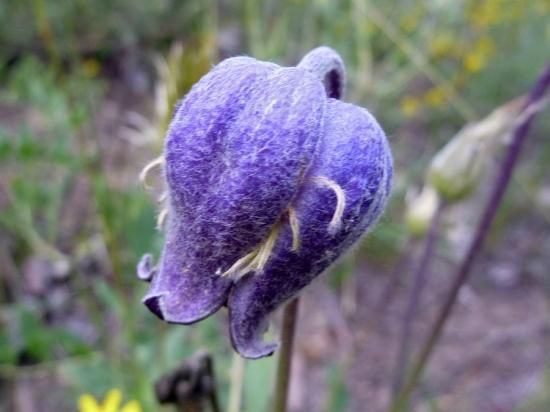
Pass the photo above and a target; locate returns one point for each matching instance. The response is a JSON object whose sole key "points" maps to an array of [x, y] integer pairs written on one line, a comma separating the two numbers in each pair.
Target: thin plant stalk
{"points": [[533, 105], [420, 279], [290, 316], [392, 285], [237, 384], [213, 392]]}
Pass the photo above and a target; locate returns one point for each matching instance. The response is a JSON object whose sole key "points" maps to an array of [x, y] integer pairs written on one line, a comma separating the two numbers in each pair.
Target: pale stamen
{"points": [[161, 218], [157, 162], [336, 220], [256, 260], [295, 228]]}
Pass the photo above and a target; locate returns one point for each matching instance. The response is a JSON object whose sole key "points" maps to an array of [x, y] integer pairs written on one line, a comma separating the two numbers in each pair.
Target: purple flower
{"points": [[270, 179]]}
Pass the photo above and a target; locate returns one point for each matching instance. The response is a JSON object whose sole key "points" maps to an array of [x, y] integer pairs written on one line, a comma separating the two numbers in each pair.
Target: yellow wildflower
{"points": [[435, 97], [409, 23], [542, 7], [410, 105], [485, 45], [486, 13], [474, 62], [91, 67], [111, 403], [411, 20], [442, 45], [477, 59]]}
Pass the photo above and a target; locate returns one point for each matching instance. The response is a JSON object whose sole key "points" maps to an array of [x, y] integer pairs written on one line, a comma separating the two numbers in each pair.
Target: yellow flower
{"points": [[485, 45], [474, 62], [412, 19], [486, 13], [409, 23], [442, 45], [91, 67], [482, 50], [542, 7], [435, 97], [410, 105], [111, 403]]}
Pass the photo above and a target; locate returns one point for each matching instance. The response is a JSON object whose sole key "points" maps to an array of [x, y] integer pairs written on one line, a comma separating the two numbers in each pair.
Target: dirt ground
{"points": [[491, 358]]}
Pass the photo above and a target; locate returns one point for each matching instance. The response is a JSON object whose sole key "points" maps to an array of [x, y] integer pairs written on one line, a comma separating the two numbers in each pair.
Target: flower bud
{"points": [[421, 208], [456, 169]]}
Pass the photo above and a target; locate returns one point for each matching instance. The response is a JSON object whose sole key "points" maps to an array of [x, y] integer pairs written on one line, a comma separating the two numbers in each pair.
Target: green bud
{"points": [[457, 168]]}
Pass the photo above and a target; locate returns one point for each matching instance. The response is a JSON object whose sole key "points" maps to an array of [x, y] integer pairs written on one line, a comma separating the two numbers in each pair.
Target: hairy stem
{"points": [[290, 315], [419, 281], [502, 180]]}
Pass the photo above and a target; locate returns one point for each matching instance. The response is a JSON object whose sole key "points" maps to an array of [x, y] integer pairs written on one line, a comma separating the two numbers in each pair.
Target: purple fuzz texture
{"points": [[247, 159]]}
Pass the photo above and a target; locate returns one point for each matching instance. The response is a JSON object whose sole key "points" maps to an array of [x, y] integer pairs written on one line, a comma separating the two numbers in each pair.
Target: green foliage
{"points": [[259, 380], [27, 336], [385, 242], [40, 155], [69, 28], [338, 391]]}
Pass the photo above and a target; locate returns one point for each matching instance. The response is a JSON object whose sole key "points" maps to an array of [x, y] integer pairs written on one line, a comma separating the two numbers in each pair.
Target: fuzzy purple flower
{"points": [[270, 179]]}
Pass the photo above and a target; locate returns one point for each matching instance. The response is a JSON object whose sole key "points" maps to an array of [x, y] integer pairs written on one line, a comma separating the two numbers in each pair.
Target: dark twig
{"points": [[532, 106], [290, 315]]}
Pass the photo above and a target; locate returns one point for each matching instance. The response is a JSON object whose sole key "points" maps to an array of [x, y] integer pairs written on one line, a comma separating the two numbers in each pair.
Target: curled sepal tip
{"points": [[327, 65]]}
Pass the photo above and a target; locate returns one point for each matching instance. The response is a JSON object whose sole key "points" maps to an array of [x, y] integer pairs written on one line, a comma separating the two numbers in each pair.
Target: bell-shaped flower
{"points": [[269, 179]]}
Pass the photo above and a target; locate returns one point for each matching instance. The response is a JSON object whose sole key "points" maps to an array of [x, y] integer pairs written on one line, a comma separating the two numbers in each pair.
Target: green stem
{"points": [[237, 384], [290, 315]]}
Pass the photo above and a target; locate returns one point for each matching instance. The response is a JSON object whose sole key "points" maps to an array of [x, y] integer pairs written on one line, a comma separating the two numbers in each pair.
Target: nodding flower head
{"points": [[270, 178]]}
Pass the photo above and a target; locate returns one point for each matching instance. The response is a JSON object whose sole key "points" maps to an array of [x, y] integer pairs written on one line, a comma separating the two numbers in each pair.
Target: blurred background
{"points": [[86, 92]]}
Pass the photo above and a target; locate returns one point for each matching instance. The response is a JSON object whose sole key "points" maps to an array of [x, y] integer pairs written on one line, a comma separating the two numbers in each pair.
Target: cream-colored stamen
{"points": [[241, 263], [157, 162], [265, 249], [295, 228], [161, 218], [256, 260], [162, 197], [336, 220]]}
